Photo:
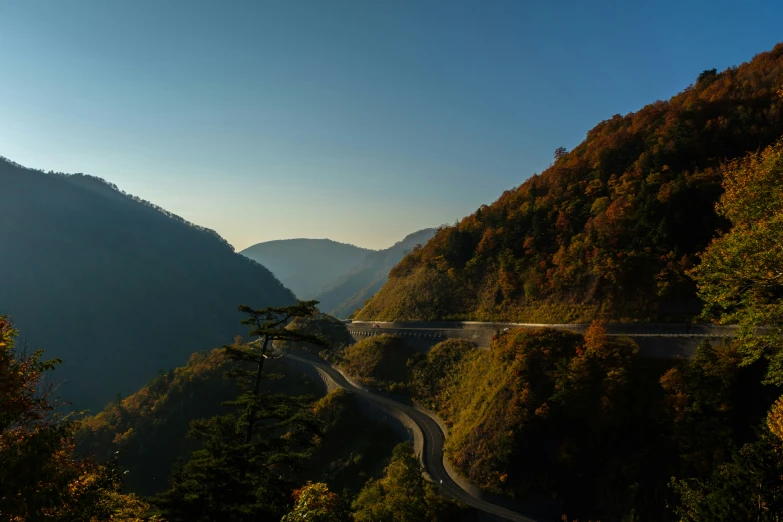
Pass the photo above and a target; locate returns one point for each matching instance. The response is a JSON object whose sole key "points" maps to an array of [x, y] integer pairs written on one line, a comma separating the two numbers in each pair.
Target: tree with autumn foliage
{"points": [[315, 503], [740, 277], [39, 476]]}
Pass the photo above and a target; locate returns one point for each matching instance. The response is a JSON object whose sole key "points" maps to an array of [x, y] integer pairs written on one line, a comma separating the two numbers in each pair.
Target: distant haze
{"points": [[306, 266], [340, 276], [355, 120]]}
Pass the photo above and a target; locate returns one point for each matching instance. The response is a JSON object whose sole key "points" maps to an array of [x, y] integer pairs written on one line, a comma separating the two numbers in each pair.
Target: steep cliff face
{"points": [[611, 228]]}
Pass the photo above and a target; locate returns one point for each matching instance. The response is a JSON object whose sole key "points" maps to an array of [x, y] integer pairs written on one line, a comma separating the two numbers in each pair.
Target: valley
{"points": [[603, 342]]}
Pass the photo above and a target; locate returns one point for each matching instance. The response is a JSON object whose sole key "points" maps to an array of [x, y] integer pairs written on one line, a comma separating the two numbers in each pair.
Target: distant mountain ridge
{"points": [[115, 286], [349, 293], [307, 266]]}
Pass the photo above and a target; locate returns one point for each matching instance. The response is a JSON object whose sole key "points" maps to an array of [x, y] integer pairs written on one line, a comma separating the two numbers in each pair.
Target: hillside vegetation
{"points": [[611, 228], [149, 427], [307, 266], [41, 478], [346, 295], [352, 449], [584, 419], [116, 287], [379, 361], [331, 330]]}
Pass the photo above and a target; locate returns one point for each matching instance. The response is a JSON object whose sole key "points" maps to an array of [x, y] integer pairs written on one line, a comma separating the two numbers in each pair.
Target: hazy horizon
{"points": [[351, 121]]}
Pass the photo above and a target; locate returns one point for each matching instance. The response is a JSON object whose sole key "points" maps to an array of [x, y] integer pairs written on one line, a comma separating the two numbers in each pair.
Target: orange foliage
{"points": [[603, 230]]}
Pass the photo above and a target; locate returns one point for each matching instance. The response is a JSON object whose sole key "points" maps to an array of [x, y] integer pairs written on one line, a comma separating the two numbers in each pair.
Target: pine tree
{"points": [[245, 467]]}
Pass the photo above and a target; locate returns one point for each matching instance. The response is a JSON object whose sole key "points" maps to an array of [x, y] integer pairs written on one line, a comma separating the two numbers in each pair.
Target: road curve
{"points": [[432, 453]]}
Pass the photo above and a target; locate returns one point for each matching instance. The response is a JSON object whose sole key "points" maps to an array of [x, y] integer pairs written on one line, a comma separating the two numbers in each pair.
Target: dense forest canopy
{"points": [[611, 228], [114, 286]]}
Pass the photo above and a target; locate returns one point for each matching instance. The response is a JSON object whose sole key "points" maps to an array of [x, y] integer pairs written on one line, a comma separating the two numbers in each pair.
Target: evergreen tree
{"points": [[244, 469]]}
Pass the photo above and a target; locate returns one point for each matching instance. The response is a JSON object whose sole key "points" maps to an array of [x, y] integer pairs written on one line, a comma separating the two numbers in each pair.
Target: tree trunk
{"points": [[252, 412]]}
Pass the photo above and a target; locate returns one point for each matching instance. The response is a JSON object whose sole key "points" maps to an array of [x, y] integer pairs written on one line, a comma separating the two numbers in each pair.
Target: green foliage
{"points": [[528, 383], [748, 487], [740, 280], [323, 326], [115, 427], [611, 228], [699, 403], [315, 503], [231, 479], [149, 427], [380, 361], [741, 274], [429, 375], [352, 447], [247, 462], [585, 419], [775, 419], [402, 495]]}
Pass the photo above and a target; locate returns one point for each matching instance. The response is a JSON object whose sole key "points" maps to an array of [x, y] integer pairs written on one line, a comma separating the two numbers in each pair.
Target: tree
{"points": [[700, 401], [775, 419], [740, 277], [244, 469], [39, 476], [269, 325], [315, 503], [746, 488], [402, 495], [707, 75], [560, 153]]}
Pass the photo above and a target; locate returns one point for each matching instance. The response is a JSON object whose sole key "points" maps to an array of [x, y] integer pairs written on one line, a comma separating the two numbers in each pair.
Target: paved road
{"points": [[432, 454]]}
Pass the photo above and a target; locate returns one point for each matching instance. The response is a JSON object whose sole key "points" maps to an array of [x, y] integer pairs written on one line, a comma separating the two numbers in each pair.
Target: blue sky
{"points": [[361, 121]]}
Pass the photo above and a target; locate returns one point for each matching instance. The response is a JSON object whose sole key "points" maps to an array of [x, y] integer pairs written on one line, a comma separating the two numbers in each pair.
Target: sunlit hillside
{"points": [[611, 228]]}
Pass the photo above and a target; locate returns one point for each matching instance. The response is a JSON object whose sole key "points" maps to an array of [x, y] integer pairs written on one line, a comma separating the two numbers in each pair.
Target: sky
{"points": [[360, 121]]}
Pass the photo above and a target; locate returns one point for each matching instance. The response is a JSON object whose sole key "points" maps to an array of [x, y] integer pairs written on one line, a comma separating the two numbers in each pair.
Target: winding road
{"points": [[432, 443]]}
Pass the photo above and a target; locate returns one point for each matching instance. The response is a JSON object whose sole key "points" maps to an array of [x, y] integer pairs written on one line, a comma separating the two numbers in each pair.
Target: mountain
{"points": [[611, 228], [307, 266], [113, 285], [148, 429], [343, 297]]}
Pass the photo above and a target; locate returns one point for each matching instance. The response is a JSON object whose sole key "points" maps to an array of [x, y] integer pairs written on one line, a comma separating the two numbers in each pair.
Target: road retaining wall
{"points": [[655, 340]]}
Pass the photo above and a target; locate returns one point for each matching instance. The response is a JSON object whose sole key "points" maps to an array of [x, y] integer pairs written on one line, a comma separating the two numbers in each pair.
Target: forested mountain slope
{"points": [[307, 266], [114, 286], [147, 430], [351, 292], [611, 228]]}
